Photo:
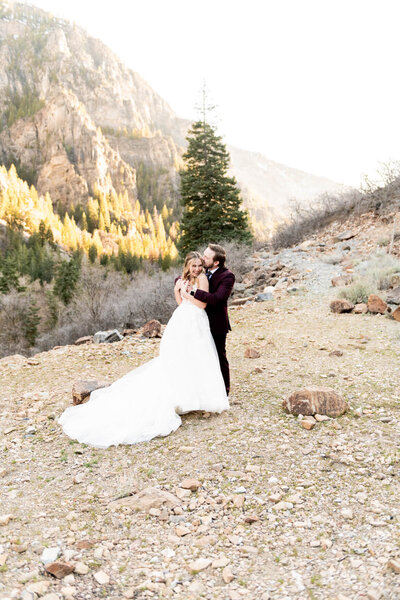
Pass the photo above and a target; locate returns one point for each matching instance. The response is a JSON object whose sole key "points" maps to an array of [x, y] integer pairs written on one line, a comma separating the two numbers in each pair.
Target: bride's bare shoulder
{"points": [[202, 277]]}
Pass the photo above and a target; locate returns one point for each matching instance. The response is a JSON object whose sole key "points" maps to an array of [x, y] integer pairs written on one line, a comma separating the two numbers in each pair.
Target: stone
{"points": [[393, 296], [39, 587], [307, 424], [283, 505], [107, 337], [238, 501], [361, 308], [376, 305], [84, 544], [394, 565], [345, 235], [148, 498], [87, 339], [82, 389], [5, 519], [347, 513], [315, 400], [51, 596], [190, 484], [220, 563], [227, 575], [101, 577], [374, 594], [251, 519], [341, 306], [336, 353], [151, 329], [68, 591], [396, 314], [50, 555], [263, 297], [59, 569], [181, 530], [81, 568], [341, 280], [128, 332], [199, 565], [252, 353], [241, 301], [19, 548], [321, 418]]}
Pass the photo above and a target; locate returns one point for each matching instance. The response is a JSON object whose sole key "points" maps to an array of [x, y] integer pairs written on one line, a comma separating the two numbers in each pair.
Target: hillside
{"points": [[279, 512], [75, 120]]}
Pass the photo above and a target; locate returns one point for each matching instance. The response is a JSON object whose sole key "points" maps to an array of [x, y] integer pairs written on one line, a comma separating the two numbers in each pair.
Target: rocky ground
{"points": [[270, 511]]}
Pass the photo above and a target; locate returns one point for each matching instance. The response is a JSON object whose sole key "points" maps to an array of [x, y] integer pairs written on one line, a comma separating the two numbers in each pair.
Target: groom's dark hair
{"points": [[219, 253]]}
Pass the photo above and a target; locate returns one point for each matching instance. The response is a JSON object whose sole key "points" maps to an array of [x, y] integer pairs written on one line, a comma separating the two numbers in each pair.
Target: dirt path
{"points": [[338, 525]]}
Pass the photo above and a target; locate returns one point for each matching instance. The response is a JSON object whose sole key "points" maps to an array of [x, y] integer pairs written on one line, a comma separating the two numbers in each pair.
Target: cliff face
{"points": [[74, 118], [66, 152]]}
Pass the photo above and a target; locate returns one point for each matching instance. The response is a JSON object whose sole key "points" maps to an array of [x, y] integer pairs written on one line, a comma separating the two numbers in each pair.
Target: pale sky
{"points": [[313, 84]]}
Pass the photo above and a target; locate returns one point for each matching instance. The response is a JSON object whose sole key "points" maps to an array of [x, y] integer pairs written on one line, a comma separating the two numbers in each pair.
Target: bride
{"points": [[145, 402]]}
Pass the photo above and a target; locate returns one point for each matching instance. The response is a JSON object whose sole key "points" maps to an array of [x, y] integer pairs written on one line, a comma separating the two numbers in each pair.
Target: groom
{"points": [[221, 282]]}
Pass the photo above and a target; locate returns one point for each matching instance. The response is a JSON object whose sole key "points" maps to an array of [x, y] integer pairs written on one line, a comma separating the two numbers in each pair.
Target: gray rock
{"points": [[107, 337], [49, 555], [345, 235], [239, 287], [393, 297], [264, 296]]}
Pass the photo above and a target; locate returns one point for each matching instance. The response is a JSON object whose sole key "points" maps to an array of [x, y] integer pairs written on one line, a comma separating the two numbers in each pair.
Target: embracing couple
{"points": [[191, 372]]}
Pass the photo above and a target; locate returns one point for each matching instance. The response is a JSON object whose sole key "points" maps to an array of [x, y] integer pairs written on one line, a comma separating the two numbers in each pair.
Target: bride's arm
{"points": [[203, 285], [177, 290]]}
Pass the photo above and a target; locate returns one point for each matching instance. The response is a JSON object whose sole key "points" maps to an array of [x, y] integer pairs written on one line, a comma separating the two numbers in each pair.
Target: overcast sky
{"points": [[313, 84]]}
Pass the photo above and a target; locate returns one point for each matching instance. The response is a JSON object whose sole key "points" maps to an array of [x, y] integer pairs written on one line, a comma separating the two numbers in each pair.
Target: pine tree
{"points": [[9, 276], [210, 198], [31, 323], [66, 280]]}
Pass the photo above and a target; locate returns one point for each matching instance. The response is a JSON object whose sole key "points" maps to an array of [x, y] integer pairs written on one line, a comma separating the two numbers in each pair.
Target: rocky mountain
{"points": [[74, 119]]}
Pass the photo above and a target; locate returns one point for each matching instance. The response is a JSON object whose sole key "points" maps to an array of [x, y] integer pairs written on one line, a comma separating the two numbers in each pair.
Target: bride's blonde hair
{"points": [[188, 261]]}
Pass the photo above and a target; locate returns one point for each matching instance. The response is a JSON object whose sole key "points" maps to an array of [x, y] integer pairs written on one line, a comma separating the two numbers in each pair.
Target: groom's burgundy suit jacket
{"points": [[221, 284]]}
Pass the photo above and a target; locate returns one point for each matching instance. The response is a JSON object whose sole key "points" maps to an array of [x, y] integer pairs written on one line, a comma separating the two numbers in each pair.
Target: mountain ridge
{"points": [[44, 58]]}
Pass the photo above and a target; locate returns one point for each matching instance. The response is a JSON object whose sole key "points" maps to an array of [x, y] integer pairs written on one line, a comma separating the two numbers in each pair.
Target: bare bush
{"points": [[383, 195], [150, 297], [238, 258], [307, 220], [13, 311], [108, 300]]}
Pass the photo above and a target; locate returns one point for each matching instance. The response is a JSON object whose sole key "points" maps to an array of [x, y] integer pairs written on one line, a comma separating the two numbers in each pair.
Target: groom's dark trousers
{"points": [[221, 284]]}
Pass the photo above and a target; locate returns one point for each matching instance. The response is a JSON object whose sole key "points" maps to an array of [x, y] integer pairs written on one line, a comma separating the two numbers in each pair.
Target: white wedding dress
{"points": [[145, 402]]}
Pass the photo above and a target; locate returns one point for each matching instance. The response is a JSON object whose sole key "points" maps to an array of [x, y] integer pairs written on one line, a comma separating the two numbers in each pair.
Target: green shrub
{"points": [[357, 292]]}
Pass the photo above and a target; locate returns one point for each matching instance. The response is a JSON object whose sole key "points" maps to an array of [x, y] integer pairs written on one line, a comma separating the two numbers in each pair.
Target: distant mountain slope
{"points": [[75, 120]]}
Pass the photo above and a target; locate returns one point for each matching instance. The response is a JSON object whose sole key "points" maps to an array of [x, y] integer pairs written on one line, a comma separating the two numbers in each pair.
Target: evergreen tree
{"points": [[31, 323], [66, 280], [9, 276], [92, 253], [210, 198]]}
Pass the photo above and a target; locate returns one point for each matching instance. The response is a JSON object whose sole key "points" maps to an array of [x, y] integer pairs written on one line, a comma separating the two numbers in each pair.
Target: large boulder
{"points": [[315, 401], [393, 297], [341, 306], [396, 314], [82, 389], [376, 305], [107, 337], [152, 329]]}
